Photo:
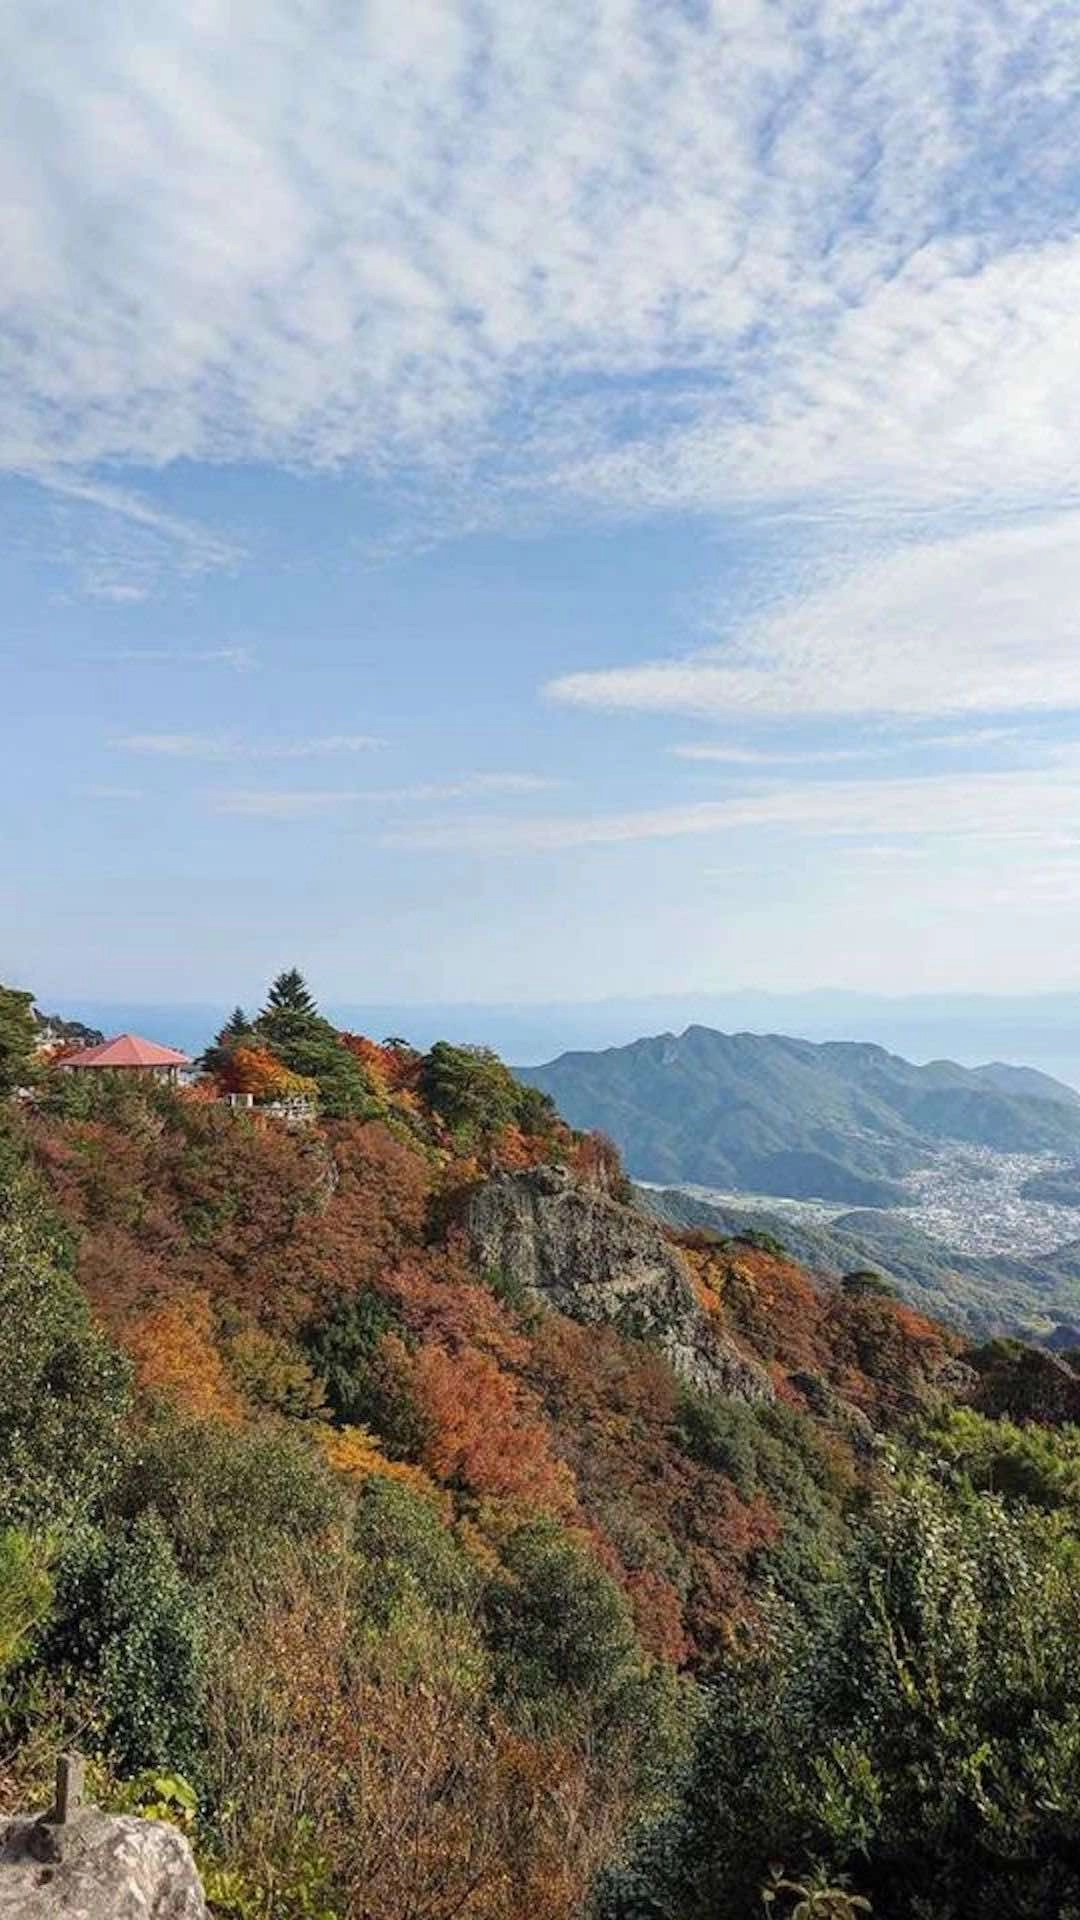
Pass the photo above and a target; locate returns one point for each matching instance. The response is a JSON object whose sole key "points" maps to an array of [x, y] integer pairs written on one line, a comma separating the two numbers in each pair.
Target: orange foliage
{"points": [[512, 1150], [356, 1453], [873, 1350], [704, 1274], [437, 1295], [372, 1058], [176, 1355], [391, 1070], [658, 1616], [257, 1071], [487, 1433], [597, 1160]]}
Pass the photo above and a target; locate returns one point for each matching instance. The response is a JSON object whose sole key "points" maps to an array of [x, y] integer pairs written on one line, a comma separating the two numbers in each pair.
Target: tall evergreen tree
{"points": [[237, 1032], [289, 993], [291, 1025]]}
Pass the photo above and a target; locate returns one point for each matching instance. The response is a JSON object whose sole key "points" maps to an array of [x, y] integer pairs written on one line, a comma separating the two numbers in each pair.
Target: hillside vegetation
{"points": [[833, 1120], [418, 1587]]}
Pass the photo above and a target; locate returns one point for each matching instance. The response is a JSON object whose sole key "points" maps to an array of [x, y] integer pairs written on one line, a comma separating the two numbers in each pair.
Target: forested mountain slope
{"points": [[391, 1503], [768, 1114]]}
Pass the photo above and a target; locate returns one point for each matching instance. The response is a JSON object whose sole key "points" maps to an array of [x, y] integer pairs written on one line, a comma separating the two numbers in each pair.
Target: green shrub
{"points": [[293, 1028], [471, 1089], [366, 1382], [224, 1494], [1038, 1464], [26, 1593], [128, 1621], [920, 1736], [721, 1434], [64, 1390], [18, 1038], [764, 1242], [866, 1283], [405, 1551], [343, 1349], [558, 1623]]}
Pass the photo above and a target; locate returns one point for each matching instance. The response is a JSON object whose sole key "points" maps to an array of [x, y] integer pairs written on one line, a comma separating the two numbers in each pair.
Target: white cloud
{"points": [[736, 756], [123, 593], [992, 808], [984, 623], [274, 803], [780, 236], [202, 548], [467, 786], [269, 804], [201, 746], [239, 658], [120, 546]]}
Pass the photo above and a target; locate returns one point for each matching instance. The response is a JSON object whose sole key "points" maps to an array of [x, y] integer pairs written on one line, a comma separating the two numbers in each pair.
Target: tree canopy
{"points": [[18, 1038]]}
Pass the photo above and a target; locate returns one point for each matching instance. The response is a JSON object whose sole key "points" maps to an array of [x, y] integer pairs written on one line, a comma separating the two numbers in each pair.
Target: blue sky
{"points": [[519, 504]]}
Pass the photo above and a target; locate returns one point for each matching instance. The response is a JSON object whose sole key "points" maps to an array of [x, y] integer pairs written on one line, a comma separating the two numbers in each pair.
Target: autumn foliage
{"points": [[257, 1071], [339, 1418]]}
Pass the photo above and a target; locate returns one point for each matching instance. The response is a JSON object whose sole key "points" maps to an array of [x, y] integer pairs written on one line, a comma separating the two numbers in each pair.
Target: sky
{"points": [[524, 504]]}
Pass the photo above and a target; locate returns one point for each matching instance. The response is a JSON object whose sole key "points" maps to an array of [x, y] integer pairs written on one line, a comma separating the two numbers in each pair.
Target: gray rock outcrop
{"points": [[99, 1867], [599, 1261]]}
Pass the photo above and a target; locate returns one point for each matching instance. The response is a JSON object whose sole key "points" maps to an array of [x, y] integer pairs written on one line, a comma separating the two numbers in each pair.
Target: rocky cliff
{"points": [[592, 1257]]}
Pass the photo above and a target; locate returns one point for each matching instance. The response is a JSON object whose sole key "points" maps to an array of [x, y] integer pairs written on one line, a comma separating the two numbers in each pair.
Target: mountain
{"points": [[391, 1504], [1041, 1029], [838, 1120], [1026, 1080]]}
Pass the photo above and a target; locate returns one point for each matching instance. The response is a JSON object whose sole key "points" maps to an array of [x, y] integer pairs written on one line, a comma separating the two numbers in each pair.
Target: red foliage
{"points": [[658, 1616], [614, 1407], [391, 1070], [437, 1296], [375, 1214], [487, 1433], [871, 1349]]}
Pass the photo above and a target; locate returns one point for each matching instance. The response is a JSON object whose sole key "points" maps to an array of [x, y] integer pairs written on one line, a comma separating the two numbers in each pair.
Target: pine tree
{"points": [[295, 1031], [237, 1032], [289, 993]]}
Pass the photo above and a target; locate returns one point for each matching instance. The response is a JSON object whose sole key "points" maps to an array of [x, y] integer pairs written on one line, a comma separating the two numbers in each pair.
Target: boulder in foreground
{"points": [[98, 1867]]}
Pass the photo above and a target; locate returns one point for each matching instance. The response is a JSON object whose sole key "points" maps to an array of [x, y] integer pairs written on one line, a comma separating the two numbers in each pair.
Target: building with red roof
{"points": [[129, 1053]]}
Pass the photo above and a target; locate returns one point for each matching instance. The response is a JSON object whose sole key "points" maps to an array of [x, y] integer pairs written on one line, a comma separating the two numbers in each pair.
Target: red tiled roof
{"points": [[127, 1050]]}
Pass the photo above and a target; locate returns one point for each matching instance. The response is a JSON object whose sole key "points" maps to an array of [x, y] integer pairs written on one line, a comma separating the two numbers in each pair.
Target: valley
{"points": [[955, 1183], [973, 1200]]}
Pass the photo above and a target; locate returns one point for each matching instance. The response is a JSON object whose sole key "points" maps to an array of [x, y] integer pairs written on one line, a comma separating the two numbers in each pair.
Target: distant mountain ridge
{"points": [[1026, 1081], [837, 1120]]}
